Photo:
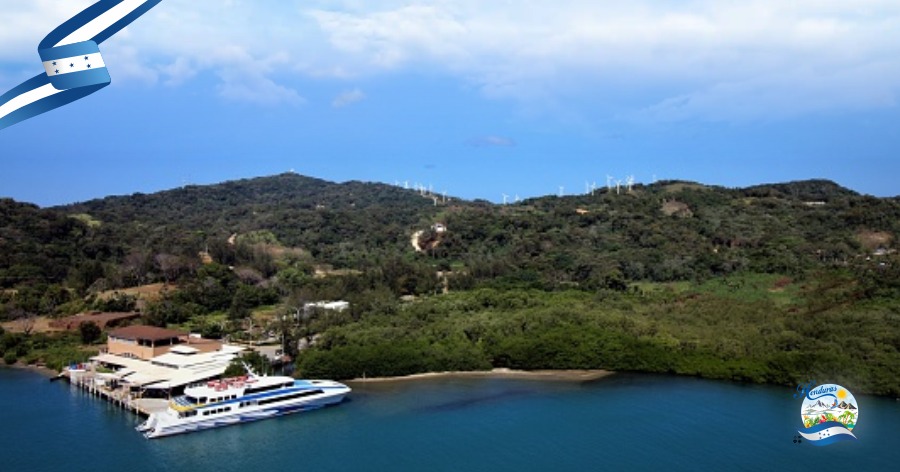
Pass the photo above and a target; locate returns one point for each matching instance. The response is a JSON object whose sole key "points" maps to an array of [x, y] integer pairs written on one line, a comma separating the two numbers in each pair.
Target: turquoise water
{"points": [[624, 422]]}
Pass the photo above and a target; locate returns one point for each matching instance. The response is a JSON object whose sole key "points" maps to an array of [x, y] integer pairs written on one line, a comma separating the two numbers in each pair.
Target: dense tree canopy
{"points": [[530, 284]]}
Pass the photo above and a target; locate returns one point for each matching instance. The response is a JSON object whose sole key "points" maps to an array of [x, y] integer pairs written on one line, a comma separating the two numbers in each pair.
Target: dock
{"points": [[105, 386]]}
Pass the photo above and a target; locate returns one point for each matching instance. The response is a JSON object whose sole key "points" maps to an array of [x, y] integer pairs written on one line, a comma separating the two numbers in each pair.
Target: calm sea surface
{"points": [[624, 422]]}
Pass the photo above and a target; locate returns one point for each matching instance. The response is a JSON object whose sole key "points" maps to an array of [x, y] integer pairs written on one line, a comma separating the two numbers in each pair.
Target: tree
{"points": [[258, 362], [90, 332], [169, 265], [26, 320], [118, 302]]}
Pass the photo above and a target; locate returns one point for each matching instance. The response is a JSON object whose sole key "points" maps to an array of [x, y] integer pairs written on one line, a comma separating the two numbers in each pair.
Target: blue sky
{"points": [[472, 97]]}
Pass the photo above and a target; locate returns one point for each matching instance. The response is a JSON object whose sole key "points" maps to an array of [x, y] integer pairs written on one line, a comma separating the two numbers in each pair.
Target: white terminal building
{"points": [[160, 363]]}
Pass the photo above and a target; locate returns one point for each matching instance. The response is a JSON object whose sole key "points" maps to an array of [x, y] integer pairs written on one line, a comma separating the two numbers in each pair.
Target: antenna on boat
{"points": [[249, 369]]}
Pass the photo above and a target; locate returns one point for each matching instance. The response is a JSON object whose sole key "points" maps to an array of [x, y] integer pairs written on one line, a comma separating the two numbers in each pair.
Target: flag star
{"points": [[71, 65], [89, 66], [54, 63], [85, 58], [57, 71]]}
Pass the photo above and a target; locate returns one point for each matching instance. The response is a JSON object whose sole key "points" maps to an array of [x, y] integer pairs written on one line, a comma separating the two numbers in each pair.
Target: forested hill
{"points": [[335, 222], [773, 283], [667, 231], [205, 204]]}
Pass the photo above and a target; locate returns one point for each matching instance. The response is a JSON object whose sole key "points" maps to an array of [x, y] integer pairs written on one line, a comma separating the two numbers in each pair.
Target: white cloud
{"points": [[755, 98], [348, 98], [25, 23], [126, 65], [179, 71], [247, 78], [728, 60], [492, 141], [703, 59], [256, 88]]}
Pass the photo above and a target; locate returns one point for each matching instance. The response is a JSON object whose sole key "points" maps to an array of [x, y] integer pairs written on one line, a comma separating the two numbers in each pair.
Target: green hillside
{"points": [[773, 283]]}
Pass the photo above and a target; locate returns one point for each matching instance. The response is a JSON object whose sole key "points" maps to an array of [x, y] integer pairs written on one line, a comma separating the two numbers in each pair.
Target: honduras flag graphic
{"points": [[73, 65], [827, 433], [829, 413]]}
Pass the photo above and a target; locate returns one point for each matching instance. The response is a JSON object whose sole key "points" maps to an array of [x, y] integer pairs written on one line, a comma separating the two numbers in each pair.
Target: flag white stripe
{"points": [[68, 65], [27, 98], [832, 431], [102, 22]]}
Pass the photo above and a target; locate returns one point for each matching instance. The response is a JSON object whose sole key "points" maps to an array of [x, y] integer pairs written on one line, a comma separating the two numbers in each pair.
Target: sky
{"points": [[476, 98]]}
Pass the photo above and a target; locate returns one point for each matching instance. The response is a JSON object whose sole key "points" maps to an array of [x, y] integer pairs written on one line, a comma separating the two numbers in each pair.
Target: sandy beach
{"points": [[555, 375]]}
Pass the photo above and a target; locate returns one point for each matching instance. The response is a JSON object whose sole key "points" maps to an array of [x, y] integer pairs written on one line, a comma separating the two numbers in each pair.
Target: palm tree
{"points": [[847, 417]]}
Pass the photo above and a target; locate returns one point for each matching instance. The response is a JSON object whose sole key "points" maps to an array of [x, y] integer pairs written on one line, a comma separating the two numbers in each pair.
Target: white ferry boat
{"points": [[240, 400]]}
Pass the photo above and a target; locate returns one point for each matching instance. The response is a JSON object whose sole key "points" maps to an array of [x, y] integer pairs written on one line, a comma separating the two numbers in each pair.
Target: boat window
{"points": [[263, 389], [290, 397]]}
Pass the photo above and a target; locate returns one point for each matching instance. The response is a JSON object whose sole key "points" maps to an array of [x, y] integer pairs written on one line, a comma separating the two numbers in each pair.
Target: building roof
{"points": [[171, 369], [183, 349], [150, 333]]}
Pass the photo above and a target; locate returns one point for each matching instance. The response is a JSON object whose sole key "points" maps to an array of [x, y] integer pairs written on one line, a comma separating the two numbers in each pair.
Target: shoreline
{"points": [[574, 375], [43, 370]]}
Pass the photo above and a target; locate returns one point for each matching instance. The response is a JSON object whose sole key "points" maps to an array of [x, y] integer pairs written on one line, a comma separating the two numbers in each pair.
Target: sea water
{"points": [[622, 422]]}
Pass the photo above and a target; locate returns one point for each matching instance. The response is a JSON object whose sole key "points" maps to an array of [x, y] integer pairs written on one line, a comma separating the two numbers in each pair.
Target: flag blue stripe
{"points": [[47, 104], [832, 439], [27, 86], [69, 50], [823, 426], [86, 16], [73, 85], [99, 76], [117, 26]]}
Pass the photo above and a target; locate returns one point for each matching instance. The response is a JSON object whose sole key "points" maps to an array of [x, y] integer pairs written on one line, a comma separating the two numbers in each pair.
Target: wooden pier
{"points": [[105, 386]]}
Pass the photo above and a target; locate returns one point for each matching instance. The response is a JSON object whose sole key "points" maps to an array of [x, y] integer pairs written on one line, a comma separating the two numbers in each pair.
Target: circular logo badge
{"points": [[829, 403]]}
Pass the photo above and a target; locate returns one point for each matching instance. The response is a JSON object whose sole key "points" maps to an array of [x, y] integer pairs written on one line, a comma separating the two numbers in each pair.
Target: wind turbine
{"points": [[445, 196], [561, 190], [517, 200], [609, 181], [618, 186], [629, 182], [505, 198]]}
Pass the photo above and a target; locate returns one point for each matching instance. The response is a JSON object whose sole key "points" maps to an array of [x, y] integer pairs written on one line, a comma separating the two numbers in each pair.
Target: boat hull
{"points": [[160, 425]]}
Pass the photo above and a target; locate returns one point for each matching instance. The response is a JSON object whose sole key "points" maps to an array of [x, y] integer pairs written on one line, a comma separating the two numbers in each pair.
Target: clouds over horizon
{"points": [[348, 97], [700, 59]]}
